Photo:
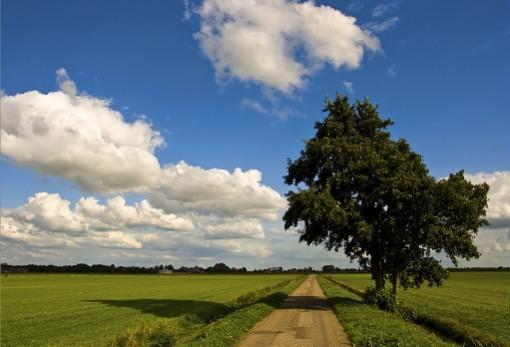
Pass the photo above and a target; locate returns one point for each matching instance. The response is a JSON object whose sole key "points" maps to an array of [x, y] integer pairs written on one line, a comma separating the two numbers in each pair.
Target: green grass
{"points": [[480, 300], [90, 310], [369, 326]]}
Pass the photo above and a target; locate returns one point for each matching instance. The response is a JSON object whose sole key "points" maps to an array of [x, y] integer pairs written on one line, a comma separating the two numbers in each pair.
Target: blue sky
{"points": [[440, 71]]}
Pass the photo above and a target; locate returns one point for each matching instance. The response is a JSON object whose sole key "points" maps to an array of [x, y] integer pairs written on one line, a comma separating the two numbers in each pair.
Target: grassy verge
{"points": [[221, 328], [454, 330], [449, 328], [354, 290], [369, 326]]}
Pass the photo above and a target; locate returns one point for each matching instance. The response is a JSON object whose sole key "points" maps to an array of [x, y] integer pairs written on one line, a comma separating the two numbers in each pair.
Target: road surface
{"points": [[304, 320]]}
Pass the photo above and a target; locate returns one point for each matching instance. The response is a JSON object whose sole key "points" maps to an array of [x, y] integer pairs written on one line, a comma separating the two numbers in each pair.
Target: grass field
{"points": [[90, 310], [476, 299]]}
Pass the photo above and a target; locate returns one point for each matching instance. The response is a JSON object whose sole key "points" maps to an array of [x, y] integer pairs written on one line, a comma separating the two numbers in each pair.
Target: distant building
{"points": [[276, 269], [165, 272]]}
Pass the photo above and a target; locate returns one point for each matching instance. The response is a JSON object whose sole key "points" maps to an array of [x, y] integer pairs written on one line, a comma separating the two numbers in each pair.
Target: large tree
{"points": [[360, 190]]}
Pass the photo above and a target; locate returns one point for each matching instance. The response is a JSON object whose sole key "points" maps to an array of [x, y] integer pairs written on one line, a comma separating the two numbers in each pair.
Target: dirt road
{"points": [[305, 319]]}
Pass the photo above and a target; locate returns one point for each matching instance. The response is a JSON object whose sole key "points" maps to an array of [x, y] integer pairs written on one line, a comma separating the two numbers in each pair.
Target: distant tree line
{"points": [[217, 268], [84, 268], [467, 269], [334, 269], [113, 269]]}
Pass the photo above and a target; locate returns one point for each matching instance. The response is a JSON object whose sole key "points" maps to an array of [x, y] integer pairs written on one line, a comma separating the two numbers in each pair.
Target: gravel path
{"points": [[305, 319]]}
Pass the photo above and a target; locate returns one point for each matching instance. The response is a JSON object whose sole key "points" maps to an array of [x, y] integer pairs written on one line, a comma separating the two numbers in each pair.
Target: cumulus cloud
{"points": [[22, 232], [498, 212], [502, 243], [117, 214], [53, 213], [48, 221], [49, 212], [30, 235], [113, 239], [214, 227], [189, 246], [80, 138], [494, 242], [191, 188], [258, 41]]}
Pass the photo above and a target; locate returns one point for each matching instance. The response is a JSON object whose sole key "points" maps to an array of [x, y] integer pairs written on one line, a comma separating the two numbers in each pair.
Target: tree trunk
{"points": [[395, 279], [379, 282], [378, 275]]}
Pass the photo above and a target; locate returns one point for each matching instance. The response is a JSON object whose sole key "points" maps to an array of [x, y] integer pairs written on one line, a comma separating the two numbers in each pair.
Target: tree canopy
{"points": [[359, 190]]}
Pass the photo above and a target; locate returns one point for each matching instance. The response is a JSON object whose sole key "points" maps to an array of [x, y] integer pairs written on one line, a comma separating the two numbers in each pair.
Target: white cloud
{"points": [[47, 221], [392, 71], [65, 84], [348, 87], [238, 193], [191, 245], [383, 26], [17, 231], [502, 243], [51, 212], [253, 105], [187, 10], [214, 227], [276, 105], [356, 5], [30, 235], [188, 210], [79, 138], [493, 241], [113, 239], [498, 212], [257, 41], [382, 9], [117, 214]]}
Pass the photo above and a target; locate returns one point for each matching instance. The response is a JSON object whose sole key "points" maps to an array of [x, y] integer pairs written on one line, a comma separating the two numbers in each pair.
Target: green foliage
{"points": [[370, 296], [362, 191], [384, 299], [146, 336]]}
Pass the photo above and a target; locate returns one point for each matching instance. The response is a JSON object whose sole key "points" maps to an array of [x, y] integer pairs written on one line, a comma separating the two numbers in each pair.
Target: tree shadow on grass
{"points": [[197, 311], [167, 308]]}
